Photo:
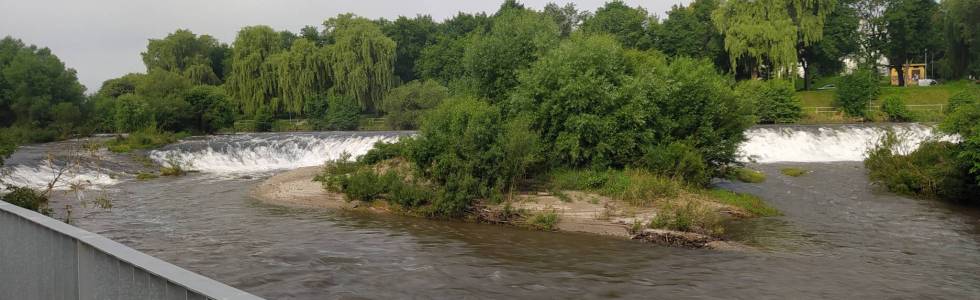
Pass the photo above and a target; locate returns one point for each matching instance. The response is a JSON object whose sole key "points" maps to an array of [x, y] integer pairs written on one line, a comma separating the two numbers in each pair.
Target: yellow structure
{"points": [[913, 72]]}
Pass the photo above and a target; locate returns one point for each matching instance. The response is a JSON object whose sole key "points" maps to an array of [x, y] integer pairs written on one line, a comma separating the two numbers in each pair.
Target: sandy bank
{"points": [[296, 188], [578, 212]]}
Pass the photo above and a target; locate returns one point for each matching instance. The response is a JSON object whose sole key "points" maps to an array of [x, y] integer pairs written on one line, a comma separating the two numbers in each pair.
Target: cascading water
{"points": [[37, 166], [265, 152], [826, 143], [251, 153], [38, 177]]}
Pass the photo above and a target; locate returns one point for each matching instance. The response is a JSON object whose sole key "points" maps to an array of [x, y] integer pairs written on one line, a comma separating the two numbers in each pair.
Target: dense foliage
{"points": [[938, 169], [895, 110], [404, 105], [855, 92], [773, 101], [38, 94], [589, 103], [517, 39]]}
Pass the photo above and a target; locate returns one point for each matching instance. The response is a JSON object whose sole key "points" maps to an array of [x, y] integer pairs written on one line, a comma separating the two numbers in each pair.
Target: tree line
{"points": [[331, 73]]}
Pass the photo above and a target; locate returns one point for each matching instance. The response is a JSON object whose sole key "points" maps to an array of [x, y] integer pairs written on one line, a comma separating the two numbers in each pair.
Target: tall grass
{"points": [[750, 203], [633, 186]]}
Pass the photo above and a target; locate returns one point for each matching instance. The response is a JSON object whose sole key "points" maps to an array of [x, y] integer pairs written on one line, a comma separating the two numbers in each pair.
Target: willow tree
{"points": [[252, 81], [362, 59], [301, 74], [770, 31], [186, 53]]}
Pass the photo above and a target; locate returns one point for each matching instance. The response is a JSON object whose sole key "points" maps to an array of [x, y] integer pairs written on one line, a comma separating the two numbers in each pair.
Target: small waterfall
{"points": [[38, 177], [251, 153], [825, 143]]}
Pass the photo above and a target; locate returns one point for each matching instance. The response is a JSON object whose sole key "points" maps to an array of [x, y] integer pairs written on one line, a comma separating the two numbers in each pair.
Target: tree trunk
{"points": [[901, 75], [806, 76]]}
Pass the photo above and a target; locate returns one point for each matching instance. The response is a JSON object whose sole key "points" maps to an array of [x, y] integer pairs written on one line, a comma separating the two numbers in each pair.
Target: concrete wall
{"points": [[43, 258]]}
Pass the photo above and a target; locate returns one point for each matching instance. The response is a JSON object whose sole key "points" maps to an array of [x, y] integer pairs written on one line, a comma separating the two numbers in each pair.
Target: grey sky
{"points": [[102, 39]]}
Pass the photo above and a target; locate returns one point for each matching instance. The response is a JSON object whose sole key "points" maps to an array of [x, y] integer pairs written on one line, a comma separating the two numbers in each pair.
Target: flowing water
{"points": [[839, 237]]}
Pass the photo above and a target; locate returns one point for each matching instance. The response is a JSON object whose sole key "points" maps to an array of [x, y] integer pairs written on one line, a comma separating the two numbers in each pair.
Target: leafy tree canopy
{"points": [[516, 40], [629, 25], [362, 59]]}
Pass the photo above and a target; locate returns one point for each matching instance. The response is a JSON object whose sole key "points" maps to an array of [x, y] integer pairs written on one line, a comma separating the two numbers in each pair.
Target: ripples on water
{"points": [[839, 238]]}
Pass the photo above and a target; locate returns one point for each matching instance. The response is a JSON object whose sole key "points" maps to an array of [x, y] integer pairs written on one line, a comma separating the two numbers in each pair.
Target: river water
{"points": [[839, 237]]}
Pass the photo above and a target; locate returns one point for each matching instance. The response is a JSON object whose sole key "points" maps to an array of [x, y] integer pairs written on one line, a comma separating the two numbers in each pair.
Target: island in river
{"points": [[579, 212]]}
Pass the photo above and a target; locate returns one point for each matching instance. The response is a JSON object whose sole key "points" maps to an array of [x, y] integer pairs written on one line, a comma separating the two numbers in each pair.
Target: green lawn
{"points": [[913, 95]]}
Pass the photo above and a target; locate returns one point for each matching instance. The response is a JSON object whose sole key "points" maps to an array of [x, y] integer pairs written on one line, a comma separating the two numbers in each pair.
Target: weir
{"points": [[267, 152], [42, 258]]}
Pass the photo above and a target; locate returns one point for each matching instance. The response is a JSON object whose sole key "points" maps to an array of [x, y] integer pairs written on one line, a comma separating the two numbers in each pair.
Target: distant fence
{"points": [[874, 108], [829, 114], [43, 258]]}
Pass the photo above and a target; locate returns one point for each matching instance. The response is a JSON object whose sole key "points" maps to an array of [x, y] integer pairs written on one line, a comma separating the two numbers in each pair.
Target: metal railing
{"points": [[43, 258], [874, 108]]}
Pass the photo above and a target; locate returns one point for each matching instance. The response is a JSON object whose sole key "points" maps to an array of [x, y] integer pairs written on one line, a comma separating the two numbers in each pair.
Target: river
{"points": [[840, 237]]}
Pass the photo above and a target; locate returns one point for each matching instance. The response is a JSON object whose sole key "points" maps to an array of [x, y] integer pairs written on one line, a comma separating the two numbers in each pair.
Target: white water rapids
{"points": [[266, 152], [255, 153], [826, 143]]}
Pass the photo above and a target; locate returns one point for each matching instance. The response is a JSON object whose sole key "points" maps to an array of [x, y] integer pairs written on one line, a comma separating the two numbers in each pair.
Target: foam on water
{"points": [[259, 153], [253, 153], [826, 143], [39, 177]]}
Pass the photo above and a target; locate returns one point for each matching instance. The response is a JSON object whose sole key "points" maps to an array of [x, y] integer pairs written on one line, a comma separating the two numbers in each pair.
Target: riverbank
{"points": [[574, 211]]}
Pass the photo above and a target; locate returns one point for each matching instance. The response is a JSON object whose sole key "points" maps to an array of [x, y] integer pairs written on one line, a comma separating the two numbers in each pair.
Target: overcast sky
{"points": [[102, 39]]}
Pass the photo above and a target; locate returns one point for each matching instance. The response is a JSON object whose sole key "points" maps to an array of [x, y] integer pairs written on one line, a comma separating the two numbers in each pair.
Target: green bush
{"points": [[773, 101], [143, 139], [7, 146], [342, 113], [855, 92], [596, 105], [263, 120], [965, 122], [457, 149], [546, 221], [963, 98], [934, 170], [211, 107], [27, 198], [383, 151], [364, 185], [677, 160], [335, 172], [404, 105], [132, 113], [894, 109], [409, 195]]}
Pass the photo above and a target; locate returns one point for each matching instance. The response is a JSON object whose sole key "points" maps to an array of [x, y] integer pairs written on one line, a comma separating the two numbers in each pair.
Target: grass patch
{"points": [[635, 187], [747, 202], [911, 95], [690, 217], [749, 175], [547, 221], [287, 125], [143, 139], [793, 172], [372, 124], [146, 176]]}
